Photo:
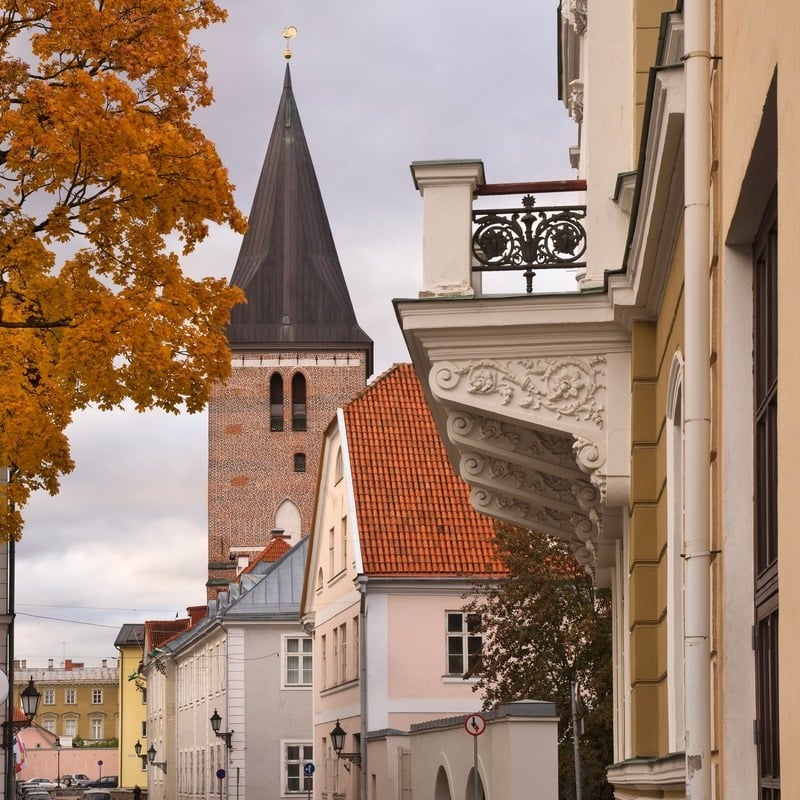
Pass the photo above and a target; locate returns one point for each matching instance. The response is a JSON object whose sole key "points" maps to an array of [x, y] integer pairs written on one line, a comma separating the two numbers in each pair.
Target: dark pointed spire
{"points": [[288, 266]]}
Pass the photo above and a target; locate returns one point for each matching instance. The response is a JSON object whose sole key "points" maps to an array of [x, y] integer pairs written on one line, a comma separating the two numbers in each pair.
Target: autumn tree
{"points": [[544, 626], [104, 180]]}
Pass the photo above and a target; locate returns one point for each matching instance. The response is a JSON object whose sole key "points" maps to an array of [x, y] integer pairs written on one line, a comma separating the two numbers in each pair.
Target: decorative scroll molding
{"points": [[575, 100], [577, 13], [565, 387]]}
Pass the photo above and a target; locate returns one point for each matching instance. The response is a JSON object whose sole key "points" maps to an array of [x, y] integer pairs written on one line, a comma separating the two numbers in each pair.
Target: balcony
{"points": [[530, 388]]}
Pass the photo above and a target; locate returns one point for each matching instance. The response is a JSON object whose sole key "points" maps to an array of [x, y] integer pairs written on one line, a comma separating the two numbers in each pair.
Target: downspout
{"points": [[362, 680], [697, 422]]}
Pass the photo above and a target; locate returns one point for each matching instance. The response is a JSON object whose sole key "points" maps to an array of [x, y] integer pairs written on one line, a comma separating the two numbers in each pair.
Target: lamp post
{"points": [[58, 761], [216, 722], [29, 698], [338, 736]]}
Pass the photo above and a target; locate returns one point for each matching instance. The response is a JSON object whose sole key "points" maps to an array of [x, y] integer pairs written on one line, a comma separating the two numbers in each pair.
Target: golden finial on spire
{"points": [[288, 34]]}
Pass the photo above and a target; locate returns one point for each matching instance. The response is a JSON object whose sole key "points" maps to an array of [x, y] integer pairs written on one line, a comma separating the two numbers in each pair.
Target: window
{"points": [[144, 728], [299, 462], [97, 697], [49, 697], [344, 542], [339, 472], [298, 662], [324, 665], [295, 758], [336, 677], [765, 506], [298, 402], [49, 724], [96, 725], [331, 552], [69, 697], [463, 643], [355, 647], [342, 653], [276, 402], [675, 579], [70, 727]]}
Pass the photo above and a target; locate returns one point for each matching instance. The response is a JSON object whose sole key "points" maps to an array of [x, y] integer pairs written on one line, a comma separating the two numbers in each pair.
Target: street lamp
{"points": [[151, 758], [137, 748], [29, 698], [58, 761], [216, 722], [338, 736]]}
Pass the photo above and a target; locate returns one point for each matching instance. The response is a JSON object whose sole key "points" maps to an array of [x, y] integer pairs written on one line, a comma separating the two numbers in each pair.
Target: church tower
{"points": [[298, 354]]}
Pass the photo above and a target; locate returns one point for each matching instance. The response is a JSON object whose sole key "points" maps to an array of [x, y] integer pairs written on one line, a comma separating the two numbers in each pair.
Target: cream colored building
{"points": [[638, 389]]}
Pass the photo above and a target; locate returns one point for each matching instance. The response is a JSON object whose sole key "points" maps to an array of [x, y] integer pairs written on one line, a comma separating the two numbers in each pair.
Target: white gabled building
{"points": [[248, 660]]}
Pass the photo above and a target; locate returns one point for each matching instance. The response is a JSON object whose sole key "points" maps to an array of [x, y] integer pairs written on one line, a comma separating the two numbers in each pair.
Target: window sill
{"points": [[340, 687]]}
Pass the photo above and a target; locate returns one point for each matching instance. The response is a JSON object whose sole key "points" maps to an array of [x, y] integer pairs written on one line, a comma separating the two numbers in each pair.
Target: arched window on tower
{"points": [[276, 402], [298, 402]]}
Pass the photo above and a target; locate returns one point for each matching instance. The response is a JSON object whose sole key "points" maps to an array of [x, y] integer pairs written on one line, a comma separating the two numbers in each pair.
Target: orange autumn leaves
{"points": [[101, 170]]}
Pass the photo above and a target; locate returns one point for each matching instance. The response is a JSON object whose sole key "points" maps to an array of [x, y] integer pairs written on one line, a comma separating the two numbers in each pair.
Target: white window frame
{"points": [[70, 697], [97, 697], [49, 697], [96, 728], [464, 635], [306, 756], [301, 654]]}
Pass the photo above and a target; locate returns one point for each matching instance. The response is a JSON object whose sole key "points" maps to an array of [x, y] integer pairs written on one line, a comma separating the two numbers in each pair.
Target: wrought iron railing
{"points": [[530, 237]]}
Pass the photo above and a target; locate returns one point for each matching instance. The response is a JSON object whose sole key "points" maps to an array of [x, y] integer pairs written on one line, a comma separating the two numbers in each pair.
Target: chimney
{"points": [[279, 533], [49, 663], [68, 664], [104, 663]]}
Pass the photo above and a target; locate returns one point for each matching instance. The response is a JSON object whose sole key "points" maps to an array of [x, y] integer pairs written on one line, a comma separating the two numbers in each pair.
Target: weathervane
{"points": [[288, 34]]}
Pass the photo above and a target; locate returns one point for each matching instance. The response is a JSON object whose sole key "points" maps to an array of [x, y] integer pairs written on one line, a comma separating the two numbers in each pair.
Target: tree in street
{"points": [[103, 175], [544, 626]]}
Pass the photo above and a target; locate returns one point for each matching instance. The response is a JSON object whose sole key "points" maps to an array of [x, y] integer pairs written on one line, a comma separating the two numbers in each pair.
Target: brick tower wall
{"points": [[251, 469]]}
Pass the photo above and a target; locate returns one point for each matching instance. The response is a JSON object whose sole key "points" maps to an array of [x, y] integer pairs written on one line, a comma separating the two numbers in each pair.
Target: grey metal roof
{"points": [[288, 265], [130, 634]]}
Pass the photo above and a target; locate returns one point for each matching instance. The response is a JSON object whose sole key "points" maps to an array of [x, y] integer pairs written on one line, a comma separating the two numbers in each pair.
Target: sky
{"points": [[378, 85]]}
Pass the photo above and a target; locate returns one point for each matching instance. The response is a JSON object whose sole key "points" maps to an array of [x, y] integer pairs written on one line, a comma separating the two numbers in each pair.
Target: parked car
{"points": [[37, 794], [45, 784], [104, 782], [75, 779], [97, 794]]}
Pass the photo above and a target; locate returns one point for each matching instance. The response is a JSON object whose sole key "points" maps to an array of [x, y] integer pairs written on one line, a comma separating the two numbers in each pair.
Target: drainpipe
{"points": [[362, 680], [697, 423]]}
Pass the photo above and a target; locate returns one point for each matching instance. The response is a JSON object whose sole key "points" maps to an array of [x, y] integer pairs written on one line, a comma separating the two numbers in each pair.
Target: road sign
{"points": [[475, 724], [308, 769], [220, 774]]}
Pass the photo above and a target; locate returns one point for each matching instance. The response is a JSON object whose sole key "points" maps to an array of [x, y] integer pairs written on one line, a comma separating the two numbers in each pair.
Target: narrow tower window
{"points": [[276, 402], [299, 462], [298, 402]]}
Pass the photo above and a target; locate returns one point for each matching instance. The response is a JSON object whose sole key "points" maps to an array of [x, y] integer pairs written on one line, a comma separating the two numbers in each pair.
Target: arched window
{"points": [[287, 517], [299, 462], [339, 473], [276, 402], [675, 580], [298, 402]]}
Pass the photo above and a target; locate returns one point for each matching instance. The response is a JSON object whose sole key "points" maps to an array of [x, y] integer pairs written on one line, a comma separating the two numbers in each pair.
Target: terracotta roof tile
{"points": [[272, 552], [414, 513]]}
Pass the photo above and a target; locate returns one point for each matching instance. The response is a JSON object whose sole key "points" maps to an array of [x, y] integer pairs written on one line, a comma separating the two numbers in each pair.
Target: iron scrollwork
{"points": [[506, 240]]}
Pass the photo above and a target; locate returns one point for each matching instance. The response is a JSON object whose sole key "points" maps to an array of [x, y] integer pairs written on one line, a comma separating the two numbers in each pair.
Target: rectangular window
{"points": [[331, 551], [343, 653], [298, 662], [464, 643], [336, 676], [324, 665], [70, 727], [344, 542], [49, 697], [144, 727], [49, 725], [69, 697], [97, 697], [296, 756], [356, 645], [97, 729]]}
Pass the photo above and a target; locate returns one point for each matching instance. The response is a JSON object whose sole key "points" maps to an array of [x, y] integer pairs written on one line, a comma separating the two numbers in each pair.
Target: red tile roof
{"points": [[414, 513], [157, 632], [272, 552]]}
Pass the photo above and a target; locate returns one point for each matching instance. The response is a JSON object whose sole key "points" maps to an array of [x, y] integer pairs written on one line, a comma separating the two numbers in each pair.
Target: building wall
{"points": [[654, 346], [770, 42], [82, 682], [133, 713], [251, 469]]}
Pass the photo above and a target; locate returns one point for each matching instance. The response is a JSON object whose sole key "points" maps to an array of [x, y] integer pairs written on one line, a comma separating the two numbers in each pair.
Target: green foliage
{"points": [[545, 626]]}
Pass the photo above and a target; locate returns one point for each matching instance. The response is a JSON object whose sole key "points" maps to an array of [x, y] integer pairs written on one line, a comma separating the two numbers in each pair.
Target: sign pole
{"points": [[475, 725]]}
